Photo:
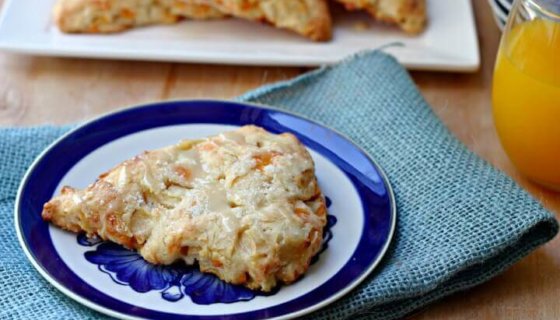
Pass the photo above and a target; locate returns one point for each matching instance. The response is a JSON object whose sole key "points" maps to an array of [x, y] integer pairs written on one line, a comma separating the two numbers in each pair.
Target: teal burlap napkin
{"points": [[460, 221]]}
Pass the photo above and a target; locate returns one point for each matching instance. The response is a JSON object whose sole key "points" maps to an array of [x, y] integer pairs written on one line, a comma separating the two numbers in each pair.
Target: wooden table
{"points": [[37, 90]]}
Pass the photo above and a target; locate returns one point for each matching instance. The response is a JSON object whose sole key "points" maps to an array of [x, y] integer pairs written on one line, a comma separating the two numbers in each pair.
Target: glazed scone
{"points": [[409, 15], [310, 18], [245, 204], [104, 16]]}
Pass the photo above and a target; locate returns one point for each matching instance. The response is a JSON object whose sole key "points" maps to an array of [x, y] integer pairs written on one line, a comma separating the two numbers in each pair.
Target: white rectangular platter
{"points": [[448, 44]]}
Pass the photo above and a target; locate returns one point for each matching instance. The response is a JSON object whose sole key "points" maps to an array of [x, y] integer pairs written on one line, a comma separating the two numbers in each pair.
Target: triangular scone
{"points": [[310, 18], [104, 16], [409, 15], [244, 204]]}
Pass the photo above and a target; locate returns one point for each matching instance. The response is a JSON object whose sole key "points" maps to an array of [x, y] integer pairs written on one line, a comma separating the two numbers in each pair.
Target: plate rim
{"points": [[107, 311]]}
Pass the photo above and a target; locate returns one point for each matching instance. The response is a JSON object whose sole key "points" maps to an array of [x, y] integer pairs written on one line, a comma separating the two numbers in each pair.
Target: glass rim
{"points": [[543, 9]]}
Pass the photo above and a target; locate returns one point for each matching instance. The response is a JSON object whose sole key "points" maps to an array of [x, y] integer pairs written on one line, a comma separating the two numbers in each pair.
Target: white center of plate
{"points": [[346, 206]]}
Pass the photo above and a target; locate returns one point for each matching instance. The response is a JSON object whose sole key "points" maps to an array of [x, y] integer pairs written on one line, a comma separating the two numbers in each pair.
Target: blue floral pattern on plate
{"points": [[128, 268]]}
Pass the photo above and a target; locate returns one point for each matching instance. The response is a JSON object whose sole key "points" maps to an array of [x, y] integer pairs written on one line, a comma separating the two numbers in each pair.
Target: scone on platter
{"points": [[310, 18], [245, 205], [106, 16], [409, 15]]}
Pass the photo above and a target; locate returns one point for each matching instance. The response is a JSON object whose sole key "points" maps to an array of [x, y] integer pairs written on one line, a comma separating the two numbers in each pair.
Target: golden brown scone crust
{"points": [[409, 15], [310, 18], [245, 204], [106, 16]]}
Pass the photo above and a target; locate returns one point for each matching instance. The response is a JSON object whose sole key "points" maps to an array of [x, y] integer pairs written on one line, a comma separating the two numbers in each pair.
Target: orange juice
{"points": [[526, 99]]}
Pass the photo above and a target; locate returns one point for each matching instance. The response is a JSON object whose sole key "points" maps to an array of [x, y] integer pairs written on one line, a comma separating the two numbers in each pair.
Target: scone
{"points": [[244, 204], [104, 16], [409, 15], [310, 18]]}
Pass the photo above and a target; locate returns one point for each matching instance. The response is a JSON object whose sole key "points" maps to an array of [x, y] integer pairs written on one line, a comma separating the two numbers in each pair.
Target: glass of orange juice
{"points": [[526, 90]]}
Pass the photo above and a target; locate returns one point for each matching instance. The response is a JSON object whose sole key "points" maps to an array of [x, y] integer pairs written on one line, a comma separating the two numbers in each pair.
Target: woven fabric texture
{"points": [[460, 221]]}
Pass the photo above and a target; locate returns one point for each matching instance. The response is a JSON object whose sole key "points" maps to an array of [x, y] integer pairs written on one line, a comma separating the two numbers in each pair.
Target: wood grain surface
{"points": [[39, 90]]}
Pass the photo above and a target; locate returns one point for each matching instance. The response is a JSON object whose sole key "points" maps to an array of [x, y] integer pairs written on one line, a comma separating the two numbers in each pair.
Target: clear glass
{"points": [[526, 90]]}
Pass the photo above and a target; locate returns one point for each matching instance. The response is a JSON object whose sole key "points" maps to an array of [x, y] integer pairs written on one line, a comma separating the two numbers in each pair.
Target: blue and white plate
{"points": [[501, 9], [118, 282]]}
